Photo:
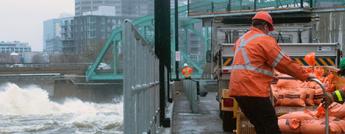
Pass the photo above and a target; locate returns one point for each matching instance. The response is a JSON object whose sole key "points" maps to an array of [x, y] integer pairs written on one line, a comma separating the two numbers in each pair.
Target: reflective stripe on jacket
{"points": [[256, 55]]}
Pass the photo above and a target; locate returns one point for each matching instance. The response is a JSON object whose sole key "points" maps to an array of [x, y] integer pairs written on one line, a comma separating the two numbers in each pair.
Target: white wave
{"points": [[31, 104], [34, 100]]}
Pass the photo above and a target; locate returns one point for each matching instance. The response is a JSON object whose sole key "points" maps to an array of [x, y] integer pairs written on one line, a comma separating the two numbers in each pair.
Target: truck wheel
{"points": [[229, 123]]}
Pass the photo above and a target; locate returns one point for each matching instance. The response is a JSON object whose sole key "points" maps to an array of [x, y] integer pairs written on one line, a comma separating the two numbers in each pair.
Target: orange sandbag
{"points": [[312, 127], [300, 115], [310, 59], [288, 84], [309, 70], [330, 87], [318, 96], [289, 125], [275, 90], [337, 110], [309, 97], [291, 98], [310, 84], [337, 126], [341, 125], [317, 126], [319, 72], [339, 83], [320, 111]]}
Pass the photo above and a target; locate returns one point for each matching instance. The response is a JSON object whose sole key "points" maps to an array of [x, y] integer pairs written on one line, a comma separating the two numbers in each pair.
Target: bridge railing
{"points": [[44, 65], [141, 83], [205, 7]]}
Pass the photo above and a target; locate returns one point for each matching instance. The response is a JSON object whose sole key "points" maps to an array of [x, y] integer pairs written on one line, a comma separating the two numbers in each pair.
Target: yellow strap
{"points": [[338, 95]]}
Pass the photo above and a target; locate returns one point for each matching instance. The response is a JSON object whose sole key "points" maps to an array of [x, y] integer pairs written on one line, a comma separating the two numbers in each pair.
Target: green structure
{"points": [[145, 25], [189, 16]]}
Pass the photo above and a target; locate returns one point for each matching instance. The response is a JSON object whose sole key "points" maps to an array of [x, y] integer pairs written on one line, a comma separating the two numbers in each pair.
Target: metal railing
{"points": [[141, 83], [191, 90], [45, 65], [203, 7]]}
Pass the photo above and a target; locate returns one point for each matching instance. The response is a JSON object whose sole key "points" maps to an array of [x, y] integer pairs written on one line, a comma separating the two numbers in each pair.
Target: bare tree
{"points": [[38, 58]]}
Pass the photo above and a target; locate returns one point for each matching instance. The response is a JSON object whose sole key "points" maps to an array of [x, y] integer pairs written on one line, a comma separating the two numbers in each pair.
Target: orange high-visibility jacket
{"points": [[256, 55], [187, 71]]}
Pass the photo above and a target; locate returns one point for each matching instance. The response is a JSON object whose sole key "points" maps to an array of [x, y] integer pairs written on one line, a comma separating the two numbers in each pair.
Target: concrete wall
{"points": [[94, 92], [46, 83]]}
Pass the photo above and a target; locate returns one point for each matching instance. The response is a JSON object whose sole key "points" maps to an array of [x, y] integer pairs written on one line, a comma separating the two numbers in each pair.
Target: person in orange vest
{"points": [[256, 55], [187, 71]]}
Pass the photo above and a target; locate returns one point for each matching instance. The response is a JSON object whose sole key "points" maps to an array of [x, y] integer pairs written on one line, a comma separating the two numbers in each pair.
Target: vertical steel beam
{"points": [[188, 2], [176, 40], [162, 50]]}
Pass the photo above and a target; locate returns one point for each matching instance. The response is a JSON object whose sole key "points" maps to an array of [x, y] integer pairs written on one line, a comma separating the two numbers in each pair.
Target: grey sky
{"points": [[22, 20]]}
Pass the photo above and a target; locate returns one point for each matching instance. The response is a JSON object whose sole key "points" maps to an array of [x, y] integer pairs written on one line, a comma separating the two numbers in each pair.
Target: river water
{"points": [[28, 110]]}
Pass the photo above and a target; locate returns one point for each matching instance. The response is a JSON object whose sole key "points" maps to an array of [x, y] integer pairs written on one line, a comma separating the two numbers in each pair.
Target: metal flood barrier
{"points": [[191, 90], [141, 83]]}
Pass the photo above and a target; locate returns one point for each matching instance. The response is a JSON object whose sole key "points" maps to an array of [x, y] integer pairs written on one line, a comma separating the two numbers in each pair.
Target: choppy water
{"points": [[29, 110]]}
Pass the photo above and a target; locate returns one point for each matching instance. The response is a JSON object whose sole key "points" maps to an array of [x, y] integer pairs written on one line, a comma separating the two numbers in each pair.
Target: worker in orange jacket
{"points": [[256, 55], [187, 71]]}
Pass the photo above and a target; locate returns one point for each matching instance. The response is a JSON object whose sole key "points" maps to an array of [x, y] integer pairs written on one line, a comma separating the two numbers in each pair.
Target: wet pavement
{"points": [[207, 121]]}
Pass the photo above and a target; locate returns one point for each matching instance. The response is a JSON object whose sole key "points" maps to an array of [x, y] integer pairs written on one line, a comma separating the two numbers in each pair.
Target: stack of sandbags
{"points": [[313, 122], [295, 96], [289, 92]]}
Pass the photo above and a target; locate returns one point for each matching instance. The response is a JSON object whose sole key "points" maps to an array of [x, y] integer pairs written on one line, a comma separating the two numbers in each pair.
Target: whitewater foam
{"points": [[34, 100], [30, 110]]}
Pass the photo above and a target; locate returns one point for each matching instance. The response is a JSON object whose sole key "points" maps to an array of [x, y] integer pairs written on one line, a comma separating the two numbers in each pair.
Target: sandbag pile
{"points": [[313, 122], [297, 93]]}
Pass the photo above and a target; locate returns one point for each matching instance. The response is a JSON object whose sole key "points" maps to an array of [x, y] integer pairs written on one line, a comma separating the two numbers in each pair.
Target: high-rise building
{"points": [[95, 7], [67, 36], [124, 8], [137, 8], [52, 34], [14, 47], [85, 33]]}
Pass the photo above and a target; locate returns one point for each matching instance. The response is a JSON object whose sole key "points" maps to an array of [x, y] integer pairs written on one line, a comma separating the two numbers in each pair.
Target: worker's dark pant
{"points": [[261, 113]]}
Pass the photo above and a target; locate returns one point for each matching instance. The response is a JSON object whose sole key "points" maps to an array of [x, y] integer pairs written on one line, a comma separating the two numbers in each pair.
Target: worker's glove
{"points": [[338, 96]]}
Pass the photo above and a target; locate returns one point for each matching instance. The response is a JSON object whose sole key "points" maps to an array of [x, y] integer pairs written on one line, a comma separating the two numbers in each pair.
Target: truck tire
{"points": [[229, 123]]}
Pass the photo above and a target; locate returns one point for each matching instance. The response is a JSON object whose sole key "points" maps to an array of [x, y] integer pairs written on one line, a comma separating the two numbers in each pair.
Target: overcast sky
{"points": [[22, 20]]}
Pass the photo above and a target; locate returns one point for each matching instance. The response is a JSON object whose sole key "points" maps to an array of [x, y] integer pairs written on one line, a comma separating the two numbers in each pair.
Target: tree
{"points": [[38, 58]]}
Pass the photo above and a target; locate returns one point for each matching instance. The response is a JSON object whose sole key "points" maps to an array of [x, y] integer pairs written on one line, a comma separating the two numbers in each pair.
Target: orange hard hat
{"points": [[265, 16]]}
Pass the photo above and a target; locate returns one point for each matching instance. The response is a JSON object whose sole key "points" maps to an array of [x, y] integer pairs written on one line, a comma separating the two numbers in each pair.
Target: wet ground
{"points": [[207, 121]]}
